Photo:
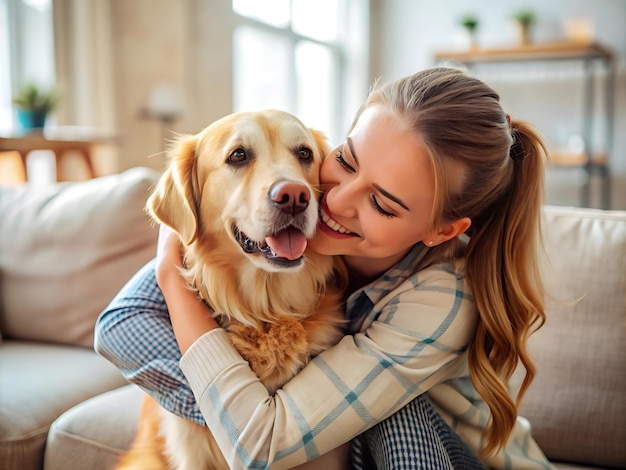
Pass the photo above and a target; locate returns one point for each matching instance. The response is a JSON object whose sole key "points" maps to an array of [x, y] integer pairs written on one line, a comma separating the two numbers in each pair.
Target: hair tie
{"points": [[517, 149], [516, 152]]}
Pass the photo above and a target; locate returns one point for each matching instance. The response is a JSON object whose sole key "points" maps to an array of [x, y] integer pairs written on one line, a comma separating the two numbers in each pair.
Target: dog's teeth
{"points": [[249, 245], [267, 251]]}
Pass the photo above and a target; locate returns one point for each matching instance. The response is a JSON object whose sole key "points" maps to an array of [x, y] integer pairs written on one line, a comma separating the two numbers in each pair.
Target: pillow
{"points": [[576, 404], [65, 251]]}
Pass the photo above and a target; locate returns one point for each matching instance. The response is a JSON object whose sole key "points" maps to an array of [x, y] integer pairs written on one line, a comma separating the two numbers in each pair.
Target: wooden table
{"points": [[588, 53], [61, 141]]}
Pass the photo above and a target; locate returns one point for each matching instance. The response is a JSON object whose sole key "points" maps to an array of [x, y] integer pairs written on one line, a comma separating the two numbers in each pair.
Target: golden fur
{"points": [[244, 182]]}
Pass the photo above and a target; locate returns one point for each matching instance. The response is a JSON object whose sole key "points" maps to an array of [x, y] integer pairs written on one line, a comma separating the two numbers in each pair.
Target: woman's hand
{"points": [[189, 315], [169, 257]]}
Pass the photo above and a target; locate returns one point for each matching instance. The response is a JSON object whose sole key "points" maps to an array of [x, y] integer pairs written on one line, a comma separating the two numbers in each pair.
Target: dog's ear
{"points": [[174, 200], [321, 141]]}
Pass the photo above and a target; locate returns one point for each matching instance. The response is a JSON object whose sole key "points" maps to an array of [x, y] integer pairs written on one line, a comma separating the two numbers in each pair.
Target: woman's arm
{"points": [[189, 315], [134, 333], [415, 343], [339, 395]]}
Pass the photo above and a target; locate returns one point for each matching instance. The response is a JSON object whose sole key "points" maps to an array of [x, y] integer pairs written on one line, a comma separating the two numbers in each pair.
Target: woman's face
{"points": [[378, 194]]}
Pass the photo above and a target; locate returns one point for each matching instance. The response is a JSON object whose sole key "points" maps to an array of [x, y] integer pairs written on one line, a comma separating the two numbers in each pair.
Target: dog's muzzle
{"points": [[286, 242]]}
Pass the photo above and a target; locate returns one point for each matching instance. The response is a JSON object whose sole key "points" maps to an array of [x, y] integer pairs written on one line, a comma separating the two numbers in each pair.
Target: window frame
{"points": [[349, 51]]}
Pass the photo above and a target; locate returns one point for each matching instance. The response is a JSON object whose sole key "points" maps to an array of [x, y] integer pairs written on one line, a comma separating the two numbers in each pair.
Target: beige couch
{"points": [[65, 251]]}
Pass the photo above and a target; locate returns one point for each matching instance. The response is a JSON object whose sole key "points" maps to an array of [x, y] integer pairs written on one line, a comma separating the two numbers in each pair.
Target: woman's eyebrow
{"points": [[385, 193], [392, 197], [349, 141]]}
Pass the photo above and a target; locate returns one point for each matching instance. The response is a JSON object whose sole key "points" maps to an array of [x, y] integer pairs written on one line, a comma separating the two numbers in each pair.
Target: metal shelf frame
{"points": [[588, 54]]}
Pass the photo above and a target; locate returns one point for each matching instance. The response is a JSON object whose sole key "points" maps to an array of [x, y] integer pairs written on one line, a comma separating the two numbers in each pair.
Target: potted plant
{"points": [[470, 23], [525, 19], [33, 104]]}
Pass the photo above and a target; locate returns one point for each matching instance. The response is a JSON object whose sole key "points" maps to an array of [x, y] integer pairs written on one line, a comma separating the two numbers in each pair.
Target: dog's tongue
{"points": [[288, 243]]}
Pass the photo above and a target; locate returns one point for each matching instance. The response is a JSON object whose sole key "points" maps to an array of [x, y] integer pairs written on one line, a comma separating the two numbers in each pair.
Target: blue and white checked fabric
{"points": [[135, 333], [414, 438]]}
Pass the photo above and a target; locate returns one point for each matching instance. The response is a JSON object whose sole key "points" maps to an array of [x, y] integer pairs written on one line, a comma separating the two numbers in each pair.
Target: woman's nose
{"points": [[341, 200]]}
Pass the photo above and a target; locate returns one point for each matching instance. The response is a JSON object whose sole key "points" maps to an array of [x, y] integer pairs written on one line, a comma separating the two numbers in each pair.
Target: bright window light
{"points": [[273, 12], [315, 71], [259, 64], [317, 20]]}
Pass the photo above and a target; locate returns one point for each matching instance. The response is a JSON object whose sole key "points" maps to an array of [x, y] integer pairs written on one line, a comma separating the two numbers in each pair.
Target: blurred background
{"points": [[127, 75]]}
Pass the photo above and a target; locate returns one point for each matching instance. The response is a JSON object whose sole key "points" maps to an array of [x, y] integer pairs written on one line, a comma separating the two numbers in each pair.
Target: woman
{"points": [[434, 202]]}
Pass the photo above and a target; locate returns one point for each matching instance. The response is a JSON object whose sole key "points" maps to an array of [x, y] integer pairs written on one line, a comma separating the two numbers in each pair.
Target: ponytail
{"points": [[503, 270]]}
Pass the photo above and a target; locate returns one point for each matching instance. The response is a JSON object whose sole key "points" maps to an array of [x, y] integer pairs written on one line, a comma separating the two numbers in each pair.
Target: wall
{"points": [[408, 32], [148, 45], [177, 44]]}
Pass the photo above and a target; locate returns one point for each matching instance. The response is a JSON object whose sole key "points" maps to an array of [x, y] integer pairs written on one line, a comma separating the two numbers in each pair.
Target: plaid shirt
{"points": [[409, 334]]}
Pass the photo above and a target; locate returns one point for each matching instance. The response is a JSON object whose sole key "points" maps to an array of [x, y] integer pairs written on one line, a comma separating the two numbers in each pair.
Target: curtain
{"points": [[83, 47]]}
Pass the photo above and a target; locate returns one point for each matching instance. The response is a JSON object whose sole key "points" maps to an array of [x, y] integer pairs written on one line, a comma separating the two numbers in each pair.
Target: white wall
{"points": [[408, 32]]}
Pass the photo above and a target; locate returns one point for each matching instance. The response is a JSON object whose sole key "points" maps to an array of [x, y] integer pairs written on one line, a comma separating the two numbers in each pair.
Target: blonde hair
{"points": [[461, 122]]}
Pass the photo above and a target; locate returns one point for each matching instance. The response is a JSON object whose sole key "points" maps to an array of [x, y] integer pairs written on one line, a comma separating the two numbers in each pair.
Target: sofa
{"points": [[67, 248]]}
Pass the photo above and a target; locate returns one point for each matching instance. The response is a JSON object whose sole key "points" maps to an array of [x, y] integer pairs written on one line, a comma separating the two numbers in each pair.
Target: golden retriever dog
{"points": [[243, 197]]}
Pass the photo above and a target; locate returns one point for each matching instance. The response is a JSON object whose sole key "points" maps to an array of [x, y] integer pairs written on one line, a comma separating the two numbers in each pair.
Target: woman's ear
{"points": [[449, 231]]}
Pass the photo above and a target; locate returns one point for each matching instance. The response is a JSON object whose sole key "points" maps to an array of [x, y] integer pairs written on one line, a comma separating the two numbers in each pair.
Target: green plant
{"points": [[525, 17], [33, 98], [469, 22]]}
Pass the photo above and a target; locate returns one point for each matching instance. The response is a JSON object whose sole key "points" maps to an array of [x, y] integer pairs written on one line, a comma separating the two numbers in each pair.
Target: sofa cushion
{"points": [[38, 382], [95, 433], [65, 251], [576, 404]]}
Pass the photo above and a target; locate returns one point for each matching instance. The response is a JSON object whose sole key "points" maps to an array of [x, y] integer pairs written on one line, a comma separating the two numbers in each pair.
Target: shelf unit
{"points": [[588, 54]]}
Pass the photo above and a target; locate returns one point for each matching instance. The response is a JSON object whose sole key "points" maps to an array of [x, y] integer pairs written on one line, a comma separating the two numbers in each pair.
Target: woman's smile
{"points": [[330, 226]]}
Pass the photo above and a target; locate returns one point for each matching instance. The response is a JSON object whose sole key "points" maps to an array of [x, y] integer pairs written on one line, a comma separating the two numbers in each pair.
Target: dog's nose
{"points": [[290, 196]]}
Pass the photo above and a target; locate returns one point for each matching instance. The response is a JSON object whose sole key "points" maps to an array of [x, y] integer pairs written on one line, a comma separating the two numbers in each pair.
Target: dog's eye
{"points": [[238, 156], [305, 153]]}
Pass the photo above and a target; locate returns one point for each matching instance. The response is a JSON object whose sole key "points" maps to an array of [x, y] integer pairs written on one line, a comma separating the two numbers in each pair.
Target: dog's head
{"points": [[247, 183]]}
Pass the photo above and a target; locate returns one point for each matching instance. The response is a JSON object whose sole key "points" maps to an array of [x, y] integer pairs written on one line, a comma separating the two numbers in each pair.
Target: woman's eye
{"points": [[380, 210], [343, 163]]}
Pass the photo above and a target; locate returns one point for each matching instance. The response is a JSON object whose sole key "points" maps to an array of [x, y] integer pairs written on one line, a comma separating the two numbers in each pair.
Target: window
{"points": [[26, 50], [294, 55], [5, 78]]}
